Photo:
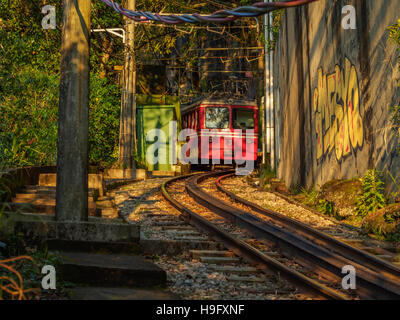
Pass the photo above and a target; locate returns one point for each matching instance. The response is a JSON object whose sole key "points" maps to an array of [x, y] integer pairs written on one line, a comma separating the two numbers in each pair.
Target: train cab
{"points": [[227, 130]]}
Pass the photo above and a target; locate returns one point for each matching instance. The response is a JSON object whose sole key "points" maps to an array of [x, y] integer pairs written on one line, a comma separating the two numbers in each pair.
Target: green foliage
{"points": [[384, 223], [310, 197], [29, 111], [29, 73], [139, 162], [315, 199], [326, 207], [372, 196], [274, 29], [266, 174], [29, 85], [104, 116], [395, 36]]}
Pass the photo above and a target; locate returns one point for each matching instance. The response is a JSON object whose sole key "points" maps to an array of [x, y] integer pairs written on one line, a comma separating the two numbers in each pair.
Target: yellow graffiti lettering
{"points": [[336, 104], [318, 128]]}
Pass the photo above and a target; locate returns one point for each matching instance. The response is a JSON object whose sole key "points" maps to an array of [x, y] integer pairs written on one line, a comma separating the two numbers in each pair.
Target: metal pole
{"points": [[73, 124], [266, 83], [127, 138], [271, 97]]}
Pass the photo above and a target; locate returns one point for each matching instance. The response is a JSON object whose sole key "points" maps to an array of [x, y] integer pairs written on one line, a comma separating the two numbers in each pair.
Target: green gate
{"points": [[155, 112]]}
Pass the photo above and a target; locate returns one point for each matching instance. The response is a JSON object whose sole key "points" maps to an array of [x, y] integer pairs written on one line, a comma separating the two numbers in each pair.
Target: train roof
{"points": [[210, 101]]}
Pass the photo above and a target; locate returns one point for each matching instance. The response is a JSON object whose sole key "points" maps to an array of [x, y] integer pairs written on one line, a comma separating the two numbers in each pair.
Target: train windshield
{"points": [[217, 118], [243, 118]]}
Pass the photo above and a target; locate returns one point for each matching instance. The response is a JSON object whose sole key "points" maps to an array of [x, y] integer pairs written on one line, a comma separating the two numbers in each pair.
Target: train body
{"points": [[226, 130]]}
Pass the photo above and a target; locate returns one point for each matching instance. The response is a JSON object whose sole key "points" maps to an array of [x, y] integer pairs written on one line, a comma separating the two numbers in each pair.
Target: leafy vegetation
{"points": [[315, 199], [384, 223], [29, 73], [372, 196], [29, 87], [266, 174], [395, 36], [104, 117]]}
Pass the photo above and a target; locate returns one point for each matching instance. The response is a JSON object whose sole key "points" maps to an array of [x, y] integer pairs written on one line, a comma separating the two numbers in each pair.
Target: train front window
{"points": [[217, 118], [243, 118]]}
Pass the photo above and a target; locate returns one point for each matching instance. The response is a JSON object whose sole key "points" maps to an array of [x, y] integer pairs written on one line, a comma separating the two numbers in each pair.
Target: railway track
{"points": [[310, 260]]}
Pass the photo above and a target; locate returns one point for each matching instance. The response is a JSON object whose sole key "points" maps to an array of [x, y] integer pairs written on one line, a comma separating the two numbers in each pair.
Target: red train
{"points": [[226, 130]]}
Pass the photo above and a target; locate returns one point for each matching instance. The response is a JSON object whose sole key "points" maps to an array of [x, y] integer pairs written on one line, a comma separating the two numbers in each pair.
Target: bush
{"points": [[384, 223], [104, 116], [395, 36], [29, 110], [266, 174], [372, 197]]}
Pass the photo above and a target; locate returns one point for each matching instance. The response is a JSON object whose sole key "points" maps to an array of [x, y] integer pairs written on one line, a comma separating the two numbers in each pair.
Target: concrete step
{"points": [[110, 270], [109, 213], [44, 208], [25, 197], [38, 190], [95, 181], [45, 201], [105, 198], [219, 260], [235, 270], [32, 208], [196, 254], [104, 203], [33, 189], [93, 246]]}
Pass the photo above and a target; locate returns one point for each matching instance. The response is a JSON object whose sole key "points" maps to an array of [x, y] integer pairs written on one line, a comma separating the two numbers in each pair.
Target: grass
{"points": [[266, 174]]}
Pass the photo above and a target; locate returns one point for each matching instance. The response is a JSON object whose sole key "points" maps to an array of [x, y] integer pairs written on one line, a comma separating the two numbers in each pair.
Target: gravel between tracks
{"points": [[141, 202], [240, 187]]}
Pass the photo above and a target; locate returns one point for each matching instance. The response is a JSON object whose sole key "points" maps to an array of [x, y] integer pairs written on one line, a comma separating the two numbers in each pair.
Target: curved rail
{"points": [[370, 283], [361, 257], [249, 253]]}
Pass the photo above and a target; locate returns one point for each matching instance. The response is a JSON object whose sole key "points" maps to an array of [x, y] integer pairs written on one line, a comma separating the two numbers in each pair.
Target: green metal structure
{"points": [[155, 112]]}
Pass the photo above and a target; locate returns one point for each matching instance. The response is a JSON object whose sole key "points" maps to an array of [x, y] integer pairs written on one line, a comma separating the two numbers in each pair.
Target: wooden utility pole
{"points": [[72, 158], [127, 135]]}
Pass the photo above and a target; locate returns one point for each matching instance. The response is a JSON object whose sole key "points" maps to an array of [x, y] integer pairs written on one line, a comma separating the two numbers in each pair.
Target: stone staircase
{"points": [[42, 198], [109, 271]]}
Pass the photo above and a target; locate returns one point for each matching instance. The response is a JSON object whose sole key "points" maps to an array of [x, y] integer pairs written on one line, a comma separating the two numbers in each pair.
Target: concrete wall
{"points": [[334, 89]]}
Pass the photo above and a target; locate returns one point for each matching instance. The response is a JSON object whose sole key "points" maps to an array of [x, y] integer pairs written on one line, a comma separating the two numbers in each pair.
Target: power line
{"points": [[220, 16]]}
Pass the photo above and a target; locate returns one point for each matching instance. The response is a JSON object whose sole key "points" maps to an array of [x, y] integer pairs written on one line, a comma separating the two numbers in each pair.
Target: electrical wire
{"points": [[220, 16]]}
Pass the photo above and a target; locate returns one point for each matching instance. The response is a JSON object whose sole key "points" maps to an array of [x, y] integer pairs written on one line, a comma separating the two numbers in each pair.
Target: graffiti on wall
{"points": [[336, 104]]}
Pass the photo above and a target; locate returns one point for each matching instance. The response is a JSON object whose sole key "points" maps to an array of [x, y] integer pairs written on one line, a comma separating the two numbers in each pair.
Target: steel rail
{"points": [[249, 253], [370, 284], [361, 257]]}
